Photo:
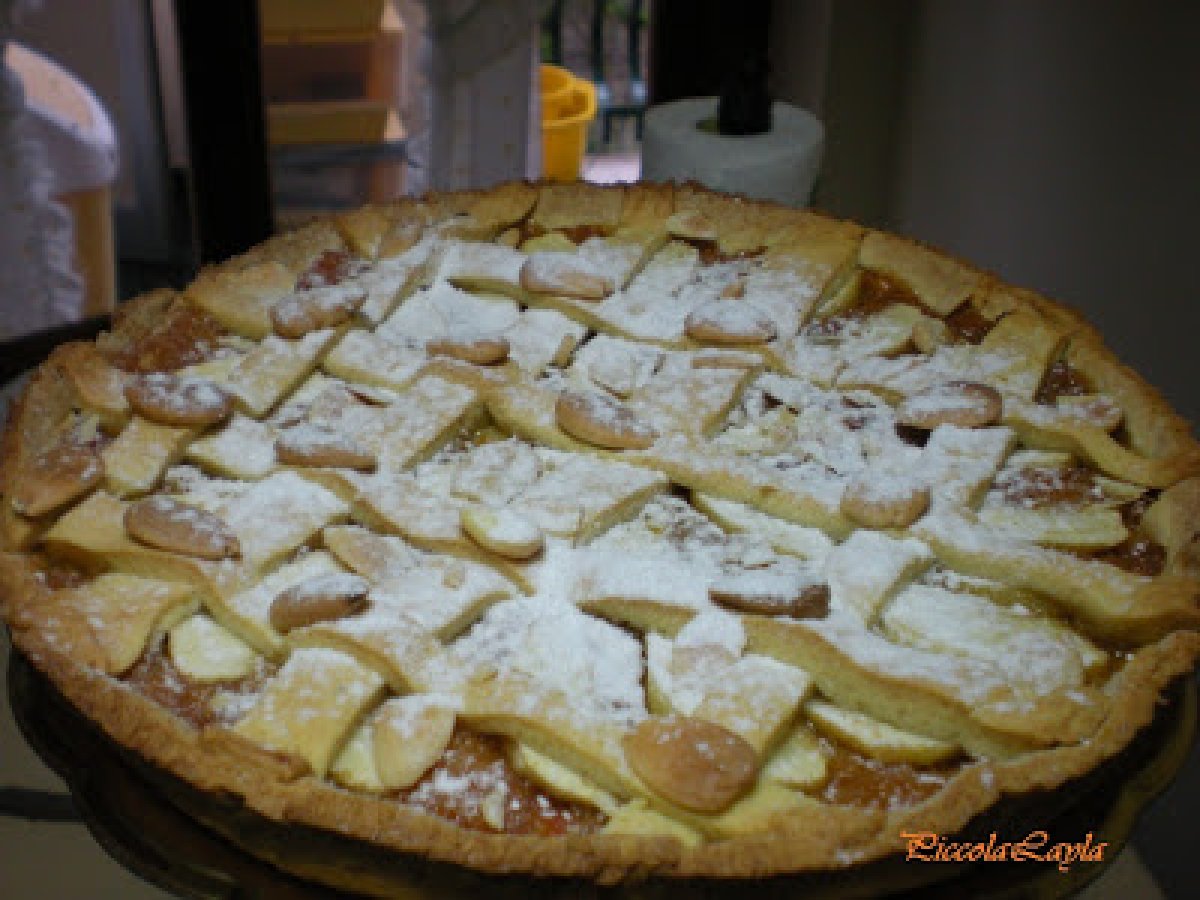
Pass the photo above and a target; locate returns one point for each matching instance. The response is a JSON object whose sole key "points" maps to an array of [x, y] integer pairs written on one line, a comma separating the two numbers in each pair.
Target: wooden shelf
{"points": [[333, 80], [322, 21], [332, 122]]}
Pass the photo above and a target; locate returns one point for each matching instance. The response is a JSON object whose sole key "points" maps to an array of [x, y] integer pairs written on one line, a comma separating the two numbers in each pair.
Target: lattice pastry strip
{"points": [[368, 358], [671, 558], [862, 588], [563, 495], [480, 267], [407, 656], [964, 700], [696, 674], [390, 281], [109, 622], [794, 467], [243, 448], [593, 283], [443, 319], [274, 368], [1048, 428], [137, 458], [958, 464], [673, 391], [1012, 358], [561, 780], [241, 300], [1039, 654], [312, 705], [247, 613], [820, 351], [941, 284], [94, 532], [271, 517], [877, 739], [439, 594], [541, 338], [709, 382], [397, 744], [1077, 528], [957, 699], [784, 537], [1106, 601], [342, 431], [442, 310], [206, 652]]}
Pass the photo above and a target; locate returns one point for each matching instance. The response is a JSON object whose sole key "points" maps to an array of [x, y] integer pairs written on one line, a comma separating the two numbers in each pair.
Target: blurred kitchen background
{"points": [[1054, 143]]}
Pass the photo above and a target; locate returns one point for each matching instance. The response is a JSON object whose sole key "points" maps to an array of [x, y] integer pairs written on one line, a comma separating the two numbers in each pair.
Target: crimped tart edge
{"points": [[842, 838]]}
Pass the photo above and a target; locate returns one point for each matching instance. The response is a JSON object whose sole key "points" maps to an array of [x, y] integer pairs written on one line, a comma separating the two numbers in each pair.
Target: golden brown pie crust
{"points": [[1153, 638]]}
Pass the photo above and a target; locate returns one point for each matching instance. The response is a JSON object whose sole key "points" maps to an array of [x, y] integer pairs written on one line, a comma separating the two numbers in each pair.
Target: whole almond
{"points": [[323, 307], [729, 322], [482, 350], [566, 275], [601, 420], [766, 594], [692, 763], [503, 531], [56, 477], [323, 598], [169, 399], [884, 501], [310, 445], [967, 404], [167, 524]]}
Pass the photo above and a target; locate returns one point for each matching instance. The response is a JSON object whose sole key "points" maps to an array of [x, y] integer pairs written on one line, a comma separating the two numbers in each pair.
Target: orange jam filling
{"points": [[968, 324], [711, 253], [576, 234], [188, 335], [1035, 487], [475, 786], [155, 677], [1136, 555], [857, 780], [60, 575], [877, 291], [1061, 380], [330, 268]]}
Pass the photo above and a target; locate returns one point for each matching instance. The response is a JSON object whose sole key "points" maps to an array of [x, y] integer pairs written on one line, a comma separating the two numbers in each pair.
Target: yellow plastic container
{"points": [[556, 86], [564, 132]]}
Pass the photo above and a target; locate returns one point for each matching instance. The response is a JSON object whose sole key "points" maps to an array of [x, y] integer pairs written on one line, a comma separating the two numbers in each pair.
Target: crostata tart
{"points": [[605, 532]]}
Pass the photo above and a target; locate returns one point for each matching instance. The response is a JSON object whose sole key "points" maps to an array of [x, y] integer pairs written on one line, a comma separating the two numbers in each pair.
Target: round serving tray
{"points": [[198, 845]]}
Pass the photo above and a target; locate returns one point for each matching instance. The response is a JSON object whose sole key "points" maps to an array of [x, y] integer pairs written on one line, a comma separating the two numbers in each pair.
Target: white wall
{"points": [[1059, 144]]}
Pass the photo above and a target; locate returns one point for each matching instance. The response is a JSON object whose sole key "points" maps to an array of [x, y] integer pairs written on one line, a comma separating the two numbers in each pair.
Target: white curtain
{"points": [[474, 118], [38, 284]]}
